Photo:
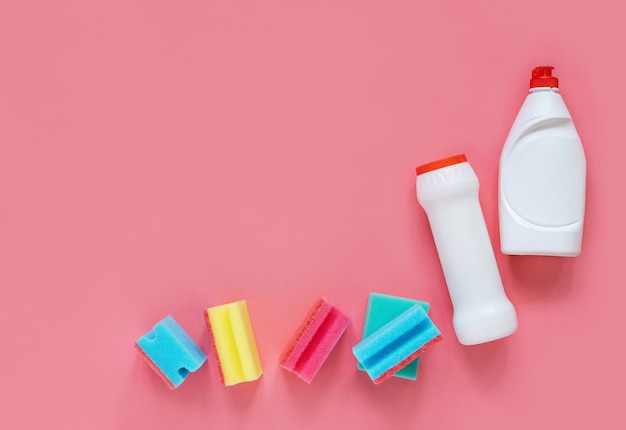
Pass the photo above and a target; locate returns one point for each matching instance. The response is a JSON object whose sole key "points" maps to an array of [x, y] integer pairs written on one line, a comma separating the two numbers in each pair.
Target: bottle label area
{"points": [[542, 180]]}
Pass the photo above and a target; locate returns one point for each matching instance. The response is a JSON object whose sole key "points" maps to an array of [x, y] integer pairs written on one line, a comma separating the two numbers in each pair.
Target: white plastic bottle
{"points": [[448, 191], [542, 176]]}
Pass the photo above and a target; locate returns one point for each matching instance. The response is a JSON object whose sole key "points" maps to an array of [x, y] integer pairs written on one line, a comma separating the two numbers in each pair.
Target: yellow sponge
{"points": [[233, 343]]}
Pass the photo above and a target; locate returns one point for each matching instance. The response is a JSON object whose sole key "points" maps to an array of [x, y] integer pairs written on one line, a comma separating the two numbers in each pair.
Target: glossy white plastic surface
{"points": [[482, 311], [542, 180]]}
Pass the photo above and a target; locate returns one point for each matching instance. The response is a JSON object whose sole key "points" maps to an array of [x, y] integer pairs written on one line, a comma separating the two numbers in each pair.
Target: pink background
{"points": [[160, 157]]}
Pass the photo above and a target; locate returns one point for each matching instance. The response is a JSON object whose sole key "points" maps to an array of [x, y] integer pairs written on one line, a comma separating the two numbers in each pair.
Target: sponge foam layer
{"points": [[381, 309], [233, 343], [314, 340], [170, 352], [396, 344]]}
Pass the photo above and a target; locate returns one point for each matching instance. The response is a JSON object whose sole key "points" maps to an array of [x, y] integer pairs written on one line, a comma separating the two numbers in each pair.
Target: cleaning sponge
{"points": [[314, 340], [396, 344], [233, 343], [381, 309], [170, 352]]}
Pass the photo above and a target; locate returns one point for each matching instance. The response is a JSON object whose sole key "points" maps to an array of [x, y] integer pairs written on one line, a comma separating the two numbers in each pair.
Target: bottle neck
{"points": [[543, 89]]}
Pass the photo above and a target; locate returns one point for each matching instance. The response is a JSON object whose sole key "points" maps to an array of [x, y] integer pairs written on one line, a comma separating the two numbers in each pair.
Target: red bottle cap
{"points": [[439, 164], [542, 77]]}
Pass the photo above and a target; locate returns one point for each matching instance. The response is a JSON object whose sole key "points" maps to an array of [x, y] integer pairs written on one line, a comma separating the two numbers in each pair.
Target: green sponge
{"points": [[381, 309]]}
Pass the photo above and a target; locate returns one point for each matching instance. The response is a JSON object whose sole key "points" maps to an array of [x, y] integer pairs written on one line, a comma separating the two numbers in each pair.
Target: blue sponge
{"points": [[170, 352], [396, 344], [381, 309]]}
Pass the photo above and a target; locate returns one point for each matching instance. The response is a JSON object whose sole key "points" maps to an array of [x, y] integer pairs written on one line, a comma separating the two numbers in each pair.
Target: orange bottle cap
{"points": [[444, 162]]}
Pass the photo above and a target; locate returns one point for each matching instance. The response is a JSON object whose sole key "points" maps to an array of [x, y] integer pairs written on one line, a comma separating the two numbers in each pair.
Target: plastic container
{"points": [[542, 176], [448, 191]]}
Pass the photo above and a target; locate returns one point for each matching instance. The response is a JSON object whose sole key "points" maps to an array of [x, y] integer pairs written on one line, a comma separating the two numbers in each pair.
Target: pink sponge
{"points": [[314, 340]]}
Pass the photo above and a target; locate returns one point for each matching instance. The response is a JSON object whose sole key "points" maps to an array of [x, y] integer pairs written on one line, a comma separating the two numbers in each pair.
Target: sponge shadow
{"points": [[241, 396]]}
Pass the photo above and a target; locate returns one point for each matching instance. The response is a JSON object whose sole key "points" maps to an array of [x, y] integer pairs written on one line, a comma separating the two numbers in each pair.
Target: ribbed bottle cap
{"points": [[444, 162], [542, 77]]}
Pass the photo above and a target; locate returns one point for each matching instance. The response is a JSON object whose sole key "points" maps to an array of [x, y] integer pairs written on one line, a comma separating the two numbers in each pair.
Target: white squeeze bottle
{"points": [[448, 191], [542, 176]]}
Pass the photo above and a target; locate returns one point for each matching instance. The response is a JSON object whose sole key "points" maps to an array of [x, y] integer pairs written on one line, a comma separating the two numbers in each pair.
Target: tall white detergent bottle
{"points": [[447, 189], [542, 180]]}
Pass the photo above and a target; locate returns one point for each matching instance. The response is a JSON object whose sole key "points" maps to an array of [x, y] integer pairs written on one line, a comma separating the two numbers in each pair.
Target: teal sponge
{"points": [[170, 352], [381, 309]]}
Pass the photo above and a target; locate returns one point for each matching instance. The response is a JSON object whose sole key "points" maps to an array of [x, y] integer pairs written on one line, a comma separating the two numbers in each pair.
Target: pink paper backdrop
{"points": [[160, 157]]}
